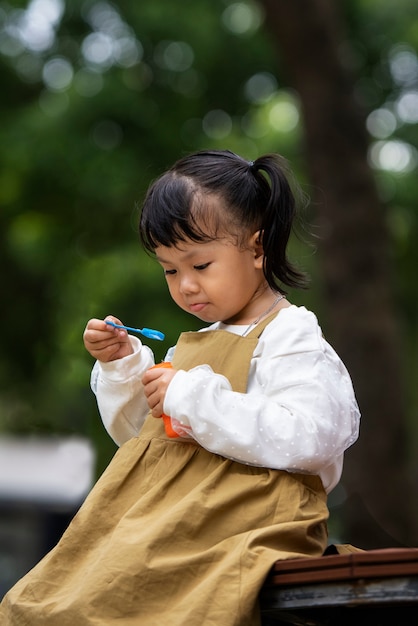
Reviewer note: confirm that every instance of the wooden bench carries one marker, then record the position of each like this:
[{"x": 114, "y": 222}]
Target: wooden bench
[{"x": 374, "y": 587}]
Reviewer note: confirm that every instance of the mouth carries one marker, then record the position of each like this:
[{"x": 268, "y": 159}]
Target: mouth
[{"x": 197, "y": 307}]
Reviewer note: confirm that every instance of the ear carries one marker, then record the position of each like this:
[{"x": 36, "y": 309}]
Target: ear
[{"x": 256, "y": 247}]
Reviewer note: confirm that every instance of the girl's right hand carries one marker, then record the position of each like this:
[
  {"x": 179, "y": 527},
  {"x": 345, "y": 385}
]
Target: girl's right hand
[{"x": 106, "y": 343}]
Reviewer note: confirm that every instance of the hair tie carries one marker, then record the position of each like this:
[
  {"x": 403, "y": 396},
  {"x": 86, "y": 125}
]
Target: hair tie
[{"x": 251, "y": 165}]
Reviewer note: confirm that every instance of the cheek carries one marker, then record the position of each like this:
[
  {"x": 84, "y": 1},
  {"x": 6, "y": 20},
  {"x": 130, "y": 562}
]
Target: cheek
[
  {"x": 175, "y": 294},
  {"x": 172, "y": 289}
]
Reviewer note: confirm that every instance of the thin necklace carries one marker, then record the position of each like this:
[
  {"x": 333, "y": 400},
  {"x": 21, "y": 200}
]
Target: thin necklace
[{"x": 266, "y": 312}]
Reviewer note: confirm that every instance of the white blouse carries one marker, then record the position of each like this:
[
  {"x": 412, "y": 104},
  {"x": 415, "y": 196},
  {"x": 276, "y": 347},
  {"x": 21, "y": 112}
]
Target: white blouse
[{"x": 299, "y": 413}]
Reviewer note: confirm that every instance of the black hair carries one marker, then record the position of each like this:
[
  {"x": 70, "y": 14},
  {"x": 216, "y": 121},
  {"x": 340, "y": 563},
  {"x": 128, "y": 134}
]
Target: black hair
[{"x": 253, "y": 196}]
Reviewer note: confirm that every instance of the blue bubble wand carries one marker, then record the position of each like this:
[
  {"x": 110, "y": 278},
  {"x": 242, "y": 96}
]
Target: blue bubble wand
[{"x": 147, "y": 332}]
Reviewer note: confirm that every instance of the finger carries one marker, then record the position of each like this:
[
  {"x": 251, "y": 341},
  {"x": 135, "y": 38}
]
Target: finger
[
  {"x": 152, "y": 395},
  {"x": 103, "y": 338},
  {"x": 112, "y": 318},
  {"x": 155, "y": 405},
  {"x": 156, "y": 411},
  {"x": 99, "y": 325},
  {"x": 98, "y": 331},
  {"x": 152, "y": 374}
]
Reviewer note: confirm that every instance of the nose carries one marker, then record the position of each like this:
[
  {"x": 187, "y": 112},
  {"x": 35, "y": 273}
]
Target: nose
[{"x": 188, "y": 285}]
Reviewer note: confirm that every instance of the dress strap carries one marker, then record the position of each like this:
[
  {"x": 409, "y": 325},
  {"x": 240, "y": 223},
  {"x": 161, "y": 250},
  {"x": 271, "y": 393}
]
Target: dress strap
[{"x": 258, "y": 330}]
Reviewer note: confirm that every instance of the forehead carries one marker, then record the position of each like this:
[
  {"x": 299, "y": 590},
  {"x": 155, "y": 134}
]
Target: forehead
[{"x": 189, "y": 250}]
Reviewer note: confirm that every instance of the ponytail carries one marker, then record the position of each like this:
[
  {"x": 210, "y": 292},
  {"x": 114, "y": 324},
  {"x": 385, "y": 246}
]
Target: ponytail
[{"x": 277, "y": 222}]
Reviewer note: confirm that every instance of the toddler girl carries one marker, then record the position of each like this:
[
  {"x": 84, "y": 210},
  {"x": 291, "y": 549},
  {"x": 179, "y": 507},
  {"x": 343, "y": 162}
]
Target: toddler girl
[{"x": 183, "y": 528}]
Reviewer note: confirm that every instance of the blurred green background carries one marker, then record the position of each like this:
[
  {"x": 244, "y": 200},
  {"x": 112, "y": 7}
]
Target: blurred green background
[{"x": 97, "y": 99}]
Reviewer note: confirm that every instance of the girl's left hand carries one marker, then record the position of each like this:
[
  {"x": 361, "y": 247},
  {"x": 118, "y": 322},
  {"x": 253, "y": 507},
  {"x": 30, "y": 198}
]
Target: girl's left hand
[{"x": 156, "y": 381}]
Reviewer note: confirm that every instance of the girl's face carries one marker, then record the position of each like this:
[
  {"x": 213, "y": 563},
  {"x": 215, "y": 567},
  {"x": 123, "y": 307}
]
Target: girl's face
[{"x": 216, "y": 280}]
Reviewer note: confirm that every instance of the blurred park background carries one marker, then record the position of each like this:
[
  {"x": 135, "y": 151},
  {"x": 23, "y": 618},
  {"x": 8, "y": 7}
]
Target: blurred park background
[{"x": 98, "y": 98}]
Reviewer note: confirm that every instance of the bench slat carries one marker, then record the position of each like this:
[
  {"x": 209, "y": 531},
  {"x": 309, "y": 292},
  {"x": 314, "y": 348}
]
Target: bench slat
[{"x": 374, "y": 587}]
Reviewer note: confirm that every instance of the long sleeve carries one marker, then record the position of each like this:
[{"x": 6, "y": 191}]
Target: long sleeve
[
  {"x": 119, "y": 392},
  {"x": 299, "y": 413}
]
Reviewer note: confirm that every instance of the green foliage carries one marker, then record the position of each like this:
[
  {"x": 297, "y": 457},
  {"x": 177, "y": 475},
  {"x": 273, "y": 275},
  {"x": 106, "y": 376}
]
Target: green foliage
[{"x": 89, "y": 119}]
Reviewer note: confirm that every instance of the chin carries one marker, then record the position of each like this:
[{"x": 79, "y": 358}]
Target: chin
[{"x": 205, "y": 318}]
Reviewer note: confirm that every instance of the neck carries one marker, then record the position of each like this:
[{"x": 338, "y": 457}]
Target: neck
[{"x": 264, "y": 314}]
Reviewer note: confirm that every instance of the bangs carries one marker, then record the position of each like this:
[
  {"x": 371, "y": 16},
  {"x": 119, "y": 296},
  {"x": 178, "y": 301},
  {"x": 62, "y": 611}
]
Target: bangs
[{"x": 175, "y": 211}]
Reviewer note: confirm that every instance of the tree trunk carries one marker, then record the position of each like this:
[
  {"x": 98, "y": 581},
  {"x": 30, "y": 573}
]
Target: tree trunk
[{"x": 354, "y": 253}]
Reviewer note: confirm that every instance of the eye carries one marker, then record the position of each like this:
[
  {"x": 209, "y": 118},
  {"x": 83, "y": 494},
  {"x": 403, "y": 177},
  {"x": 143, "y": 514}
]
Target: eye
[
  {"x": 169, "y": 272},
  {"x": 199, "y": 268}
]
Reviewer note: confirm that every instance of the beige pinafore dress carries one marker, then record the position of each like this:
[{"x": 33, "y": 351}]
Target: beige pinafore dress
[{"x": 173, "y": 534}]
